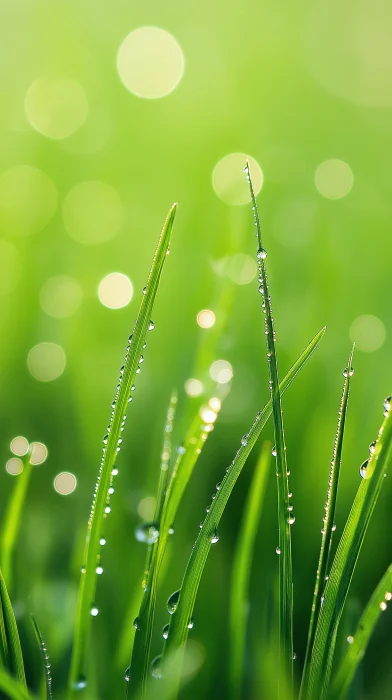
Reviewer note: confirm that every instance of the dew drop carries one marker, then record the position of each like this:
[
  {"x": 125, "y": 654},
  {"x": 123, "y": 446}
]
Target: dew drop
[
  {"x": 99, "y": 570},
  {"x": 80, "y": 683},
  {"x": 261, "y": 254},
  {"x": 127, "y": 674},
  {"x": 156, "y": 667},
  {"x": 291, "y": 519},
  {"x": 83, "y": 570},
  {"x": 171, "y": 530},
  {"x": 181, "y": 450},
  {"x": 147, "y": 532},
  {"x": 94, "y": 611},
  {"x": 383, "y": 605},
  {"x": 219, "y": 486},
  {"x": 273, "y": 451},
  {"x": 108, "y": 509},
  {"x": 244, "y": 440},
  {"x": 151, "y": 326},
  {"x": 372, "y": 447},
  {"x": 105, "y": 439},
  {"x": 102, "y": 541},
  {"x": 144, "y": 290},
  {"x": 350, "y": 639},
  {"x": 294, "y": 656},
  {"x": 348, "y": 372},
  {"x": 165, "y": 632},
  {"x": 278, "y": 550},
  {"x": 363, "y": 468},
  {"x": 215, "y": 537},
  {"x": 114, "y": 471},
  {"x": 191, "y": 623},
  {"x": 136, "y": 623},
  {"x": 173, "y": 602}
]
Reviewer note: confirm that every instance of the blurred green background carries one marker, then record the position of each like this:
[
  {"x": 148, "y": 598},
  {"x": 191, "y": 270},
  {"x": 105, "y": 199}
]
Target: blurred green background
[{"x": 102, "y": 126}]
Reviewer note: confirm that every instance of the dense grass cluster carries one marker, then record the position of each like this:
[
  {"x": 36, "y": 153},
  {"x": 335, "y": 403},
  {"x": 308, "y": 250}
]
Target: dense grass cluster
[{"x": 326, "y": 673}]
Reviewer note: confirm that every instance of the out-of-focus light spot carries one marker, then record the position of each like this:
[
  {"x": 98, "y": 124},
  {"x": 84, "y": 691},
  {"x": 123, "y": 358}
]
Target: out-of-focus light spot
[
  {"x": 60, "y": 296},
  {"x": 360, "y": 65},
  {"x": 194, "y": 658},
  {"x": 215, "y": 404},
  {"x": 28, "y": 200},
  {"x": 39, "y": 453},
  {"x": 221, "y": 371},
  {"x": 19, "y": 446},
  {"x": 150, "y": 62},
  {"x": 14, "y": 466},
  {"x": 115, "y": 290},
  {"x": 146, "y": 507},
  {"x": 241, "y": 268},
  {"x": 193, "y": 387},
  {"x": 92, "y": 212},
  {"x": 205, "y": 318},
  {"x": 229, "y": 181},
  {"x": 46, "y": 361},
  {"x": 208, "y": 415},
  {"x": 334, "y": 179},
  {"x": 9, "y": 267},
  {"x": 368, "y": 333},
  {"x": 64, "y": 483},
  {"x": 56, "y": 107}
]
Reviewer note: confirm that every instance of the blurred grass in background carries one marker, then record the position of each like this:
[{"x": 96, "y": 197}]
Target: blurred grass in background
[{"x": 108, "y": 115}]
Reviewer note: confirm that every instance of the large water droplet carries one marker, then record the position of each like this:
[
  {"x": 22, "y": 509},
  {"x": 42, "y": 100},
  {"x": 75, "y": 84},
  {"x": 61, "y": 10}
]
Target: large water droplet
[
  {"x": 151, "y": 326},
  {"x": 94, "y": 611},
  {"x": 363, "y": 469},
  {"x": 156, "y": 667},
  {"x": 80, "y": 683},
  {"x": 99, "y": 570},
  {"x": 102, "y": 541},
  {"x": 348, "y": 372},
  {"x": 244, "y": 440},
  {"x": 372, "y": 447},
  {"x": 173, "y": 602},
  {"x": 261, "y": 254},
  {"x": 147, "y": 532},
  {"x": 136, "y": 623},
  {"x": 350, "y": 639},
  {"x": 383, "y": 605},
  {"x": 278, "y": 550},
  {"x": 387, "y": 403},
  {"x": 291, "y": 519},
  {"x": 165, "y": 632},
  {"x": 215, "y": 537},
  {"x": 127, "y": 674}
]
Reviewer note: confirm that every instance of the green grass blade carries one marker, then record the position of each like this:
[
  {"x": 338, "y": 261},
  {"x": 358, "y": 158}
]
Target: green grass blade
[
  {"x": 12, "y": 689},
  {"x": 346, "y": 558},
  {"x": 357, "y": 644},
  {"x": 285, "y": 517},
  {"x": 145, "y": 619},
  {"x": 182, "y": 613},
  {"x": 12, "y": 519},
  {"x": 329, "y": 516},
  {"x": 11, "y": 635},
  {"x": 241, "y": 569},
  {"x": 110, "y": 450},
  {"x": 45, "y": 658}
]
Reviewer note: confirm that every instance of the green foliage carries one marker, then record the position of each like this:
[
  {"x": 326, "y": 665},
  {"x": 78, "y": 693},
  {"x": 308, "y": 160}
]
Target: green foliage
[
  {"x": 45, "y": 659},
  {"x": 11, "y": 652}
]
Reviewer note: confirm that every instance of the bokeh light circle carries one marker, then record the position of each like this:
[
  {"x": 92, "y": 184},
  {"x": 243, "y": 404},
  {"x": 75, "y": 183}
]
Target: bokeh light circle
[
  {"x": 146, "y": 507},
  {"x": 229, "y": 181},
  {"x": 368, "y": 333},
  {"x": 194, "y": 387},
  {"x": 241, "y": 268},
  {"x": 334, "y": 179},
  {"x": 205, "y": 318},
  {"x": 92, "y": 212},
  {"x": 28, "y": 200},
  {"x": 60, "y": 296},
  {"x": 14, "y": 466},
  {"x": 65, "y": 483},
  {"x": 150, "y": 62},
  {"x": 115, "y": 290},
  {"x": 39, "y": 453},
  {"x": 19, "y": 446},
  {"x": 221, "y": 371},
  {"x": 56, "y": 106},
  {"x": 46, "y": 361}
]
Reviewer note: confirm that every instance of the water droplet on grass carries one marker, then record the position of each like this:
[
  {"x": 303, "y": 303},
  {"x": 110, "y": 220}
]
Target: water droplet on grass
[
  {"x": 151, "y": 326},
  {"x": 273, "y": 451},
  {"x": 127, "y": 674},
  {"x": 215, "y": 537},
  {"x": 80, "y": 683},
  {"x": 348, "y": 372},
  {"x": 383, "y": 605},
  {"x": 350, "y": 639},
  {"x": 147, "y": 532},
  {"x": 99, "y": 570},
  {"x": 136, "y": 623},
  {"x": 372, "y": 447},
  {"x": 261, "y": 254},
  {"x": 173, "y": 602},
  {"x": 156, "y": 667},
  {"x": 94, "y": 611},
  {"x": 165, "y": 632},
  {"x": 244, "y": 440},
  {"x": 102, "y": 541},
  {"x": 191, "y": 623},
  {"x": 363, "y": 469},
  {"x": 278, "y": 550}
]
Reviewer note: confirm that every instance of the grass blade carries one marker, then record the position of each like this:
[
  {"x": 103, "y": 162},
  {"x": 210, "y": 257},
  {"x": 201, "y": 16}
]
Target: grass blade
[
  {"x": 285, "y": 517},
  {"x": 10, "y": 636},
  {"x": 143, "y": 324},
  {"x": 183, "y": 609},
  {"x": 145, "y": 619},
  {"x": 373, "y": 471},
  {"x": 13, "y": 517},
  {"x": 241, "y": 569},
  {"x": 12, "y": 689},
  {"x": 45, "y": 658},
  {"x": 358, "y": 642},
  {"x": 329, "y": 516}
]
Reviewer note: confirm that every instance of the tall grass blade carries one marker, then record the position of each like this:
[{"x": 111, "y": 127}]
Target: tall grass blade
[
  {"x": 241, "y": 570},
  {"x": 12, "y": 689},
  {"x": 45, "y": 658},
  {"x": 10, "y": 636},
  {"x": 144, "y": 622},
  {"x": 373, "y": 473},
  {"x": 357, "y": 643},
  {"x": 12, "y": 519},
  {"x": 184, "y": 599},
  {"x": 143, "y": 323},
  {"x": 285, "y": 517},
  {"x": 329, "y": 515}
]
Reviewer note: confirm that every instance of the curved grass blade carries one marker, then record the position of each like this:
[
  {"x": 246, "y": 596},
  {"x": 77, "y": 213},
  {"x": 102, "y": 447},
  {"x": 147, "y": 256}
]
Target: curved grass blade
[
  {"x": 110, "y": 450},
  {"x": 182, "y": 610},
  {"x": 241, "y": 569},
  {"x": 45, "y": 658},
  {"x": 12, "y": 689},
  {"x": 13, "y": 517},
  {"x": 329, "y": 515},
  {"x": 373, "y": 473},
  {"x": 285, "y": 519},
  {"x": 10, "y": 636},
  {"x": 357, "y": 644},
  {"x": 145, "y": 619}
]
